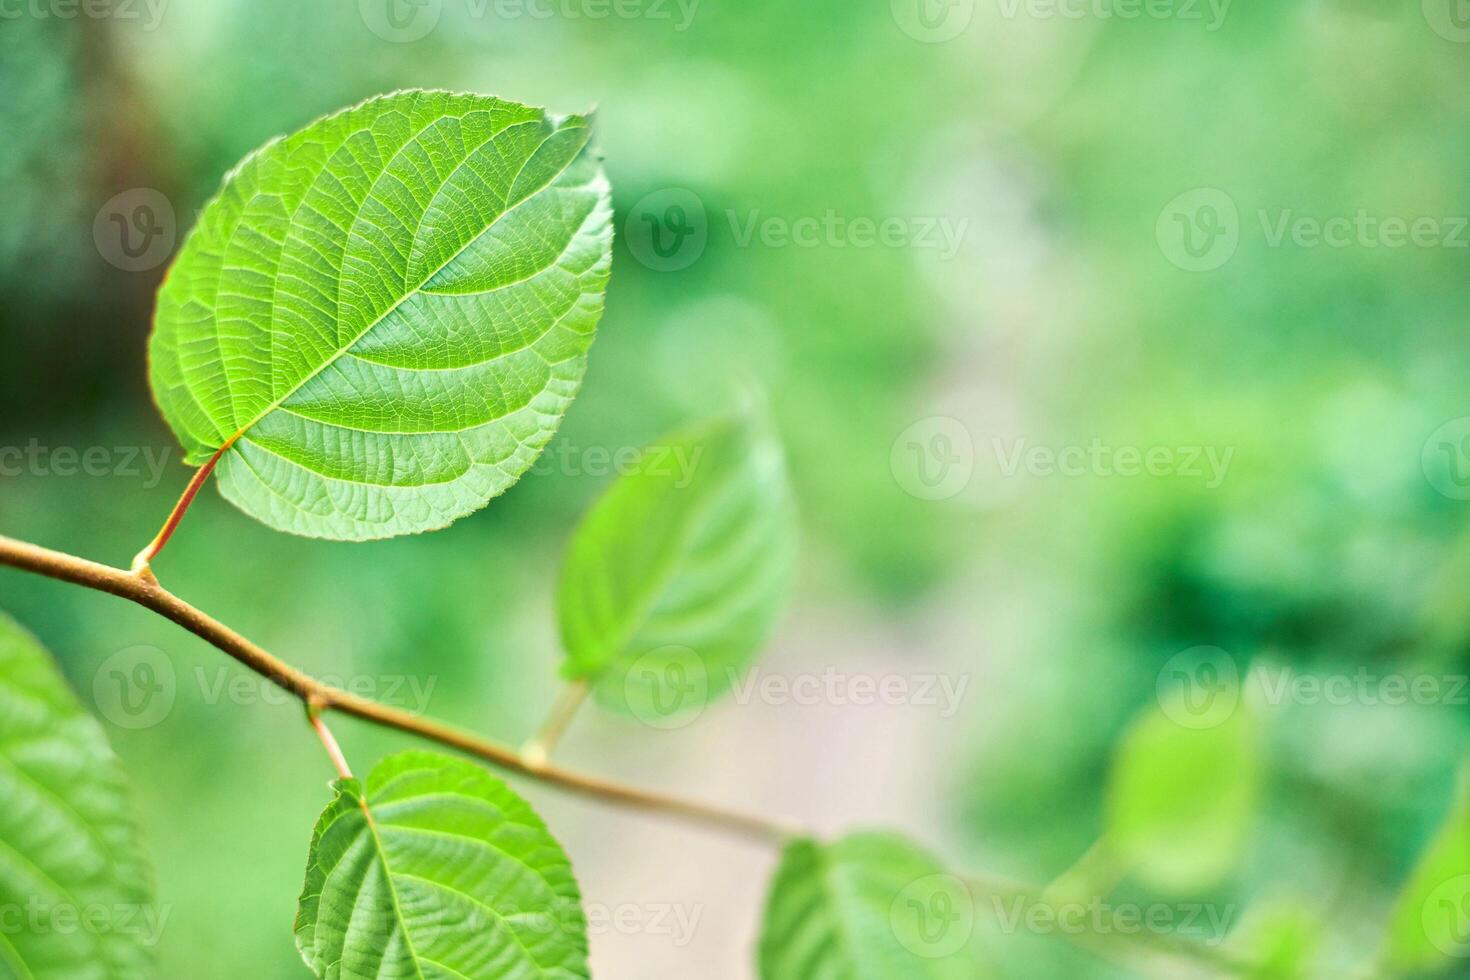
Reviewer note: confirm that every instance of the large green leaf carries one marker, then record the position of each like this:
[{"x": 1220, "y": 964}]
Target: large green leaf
[
  {"x": 385, "y": 314},
  {"x": 872, "y": 906},
  {"x": 75, "y": 898},
  {"x": 1430, "y": 928},
  {"x": 438, "y": 870},
  {"x": 1181, "y": 800},
  {"x": 677, "y": 574}
]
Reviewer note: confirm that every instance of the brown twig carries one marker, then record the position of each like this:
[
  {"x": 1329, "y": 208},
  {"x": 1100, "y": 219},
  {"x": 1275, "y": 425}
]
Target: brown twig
[{"x": 142, "y": 588}]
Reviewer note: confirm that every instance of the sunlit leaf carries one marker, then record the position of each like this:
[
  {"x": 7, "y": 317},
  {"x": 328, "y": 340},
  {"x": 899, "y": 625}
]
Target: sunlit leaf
[
  {"x": 677, "y": 574},
  {"x": 1430, "y": 928},
  {"x": 384, "y": 315},
  {"x": 1181, "y": 799},
  {"x": 75, "y": 898},
  {"x": 436, "y": 869},
  {"x": 872, "y": 906}
]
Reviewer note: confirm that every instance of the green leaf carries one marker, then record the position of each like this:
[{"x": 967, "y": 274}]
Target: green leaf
[
  {"x": 676, "y": 576},
  {"x": 437, "y": 870},
  {"x": 1430, "y": 928},
  {"x": 75, "y": 897},
  {"x": 872, "y": 906},
  {"x": 384, "y": 315},
  {"x": 1181, "y": 799}
]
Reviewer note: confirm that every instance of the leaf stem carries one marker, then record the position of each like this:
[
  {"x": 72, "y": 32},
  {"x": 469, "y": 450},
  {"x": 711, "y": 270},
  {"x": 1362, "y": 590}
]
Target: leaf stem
[
  {"x": 329, "y": 741},
  {"x": 145, "y": 591},
  {"x": 537, "y": 752},
  {"x": 145, "y": 557},
  {"x": 318, "y": 698}
]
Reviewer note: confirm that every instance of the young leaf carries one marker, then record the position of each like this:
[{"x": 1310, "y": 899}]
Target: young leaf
[
  {"x": 73, "y": 880},
  {"x": 1430, "y": 929},
  {"x": 436, "y": 870},
  {"x": 1181, "y": 799},
  {"x": 872, "y": 906},
  {"x": 379, "y": 320},
  {"x": 677, "y": 574}
]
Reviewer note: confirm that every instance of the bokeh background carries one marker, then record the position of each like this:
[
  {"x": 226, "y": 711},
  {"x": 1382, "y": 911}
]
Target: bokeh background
[{"x": 1097, "y": 234}]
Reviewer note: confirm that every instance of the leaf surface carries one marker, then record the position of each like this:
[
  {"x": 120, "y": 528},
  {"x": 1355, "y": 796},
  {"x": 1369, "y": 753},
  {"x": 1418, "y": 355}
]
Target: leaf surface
[
  {"x": 676, "y": 576},
  {"x": 1181, "y": 800},
  {"x": 1429, "y": 931},
  {"x": 381, "y": 319},
  {"x": 75, "y": 897},
  {"x": 437, "y": 870},
  {"x": 872, "y": 906}
]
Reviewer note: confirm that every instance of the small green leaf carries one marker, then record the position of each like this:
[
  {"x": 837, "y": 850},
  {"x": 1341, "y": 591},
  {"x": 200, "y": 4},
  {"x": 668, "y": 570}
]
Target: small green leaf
[
  {"x": 437, "y": 870},
  {"x": 75, "y": 898},
  {"x": 676, "y": 576},
  {"x": 1181, "y": 798},
  {"x": 872, "y": 906},
  {"x": 1430, "y": 928},
  {"x": 384, "y": 315}
]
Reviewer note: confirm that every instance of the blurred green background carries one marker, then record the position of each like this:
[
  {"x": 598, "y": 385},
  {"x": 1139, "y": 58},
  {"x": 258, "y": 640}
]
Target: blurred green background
[{"x": 1130, "y": 262}]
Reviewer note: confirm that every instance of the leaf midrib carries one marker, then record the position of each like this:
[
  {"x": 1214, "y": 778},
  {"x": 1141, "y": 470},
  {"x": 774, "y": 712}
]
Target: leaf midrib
[{"x": 329, "y": 361}]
